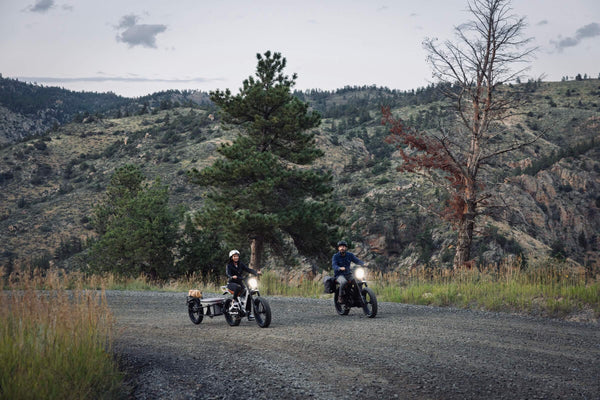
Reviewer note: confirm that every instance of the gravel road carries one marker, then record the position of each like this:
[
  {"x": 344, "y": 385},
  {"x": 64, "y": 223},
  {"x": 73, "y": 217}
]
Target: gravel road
[{"x": 406, "y": 352}]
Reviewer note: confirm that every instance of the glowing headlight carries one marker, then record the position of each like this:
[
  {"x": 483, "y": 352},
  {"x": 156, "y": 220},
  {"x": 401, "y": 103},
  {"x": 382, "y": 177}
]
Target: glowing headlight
[
  {"x": 253, "y": 283},
  {"x": 360, "y": 274}
]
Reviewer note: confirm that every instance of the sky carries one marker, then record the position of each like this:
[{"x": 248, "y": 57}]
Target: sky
[{"x": 138, "y": 47}]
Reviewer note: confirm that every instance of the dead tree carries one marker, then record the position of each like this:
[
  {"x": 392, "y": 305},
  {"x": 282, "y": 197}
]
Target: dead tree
[{"x": 473, "y": 72}]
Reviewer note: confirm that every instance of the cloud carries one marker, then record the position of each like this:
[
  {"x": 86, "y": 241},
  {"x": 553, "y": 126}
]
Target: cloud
[
  {"x": 590, "y": 30},
  {"x": 127, "y": 21},
  {"x": 542, "y": 22},
  {"x": 135, "y": 34},
  {"x": 41, "y": 6},
  {"x": 587, "y": 31}
]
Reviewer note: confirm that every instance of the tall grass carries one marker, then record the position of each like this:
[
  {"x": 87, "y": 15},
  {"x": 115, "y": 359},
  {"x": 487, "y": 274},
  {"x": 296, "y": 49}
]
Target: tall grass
[
  {"x": 54, "y": 343},
  {"x": 549, "y": 288}
]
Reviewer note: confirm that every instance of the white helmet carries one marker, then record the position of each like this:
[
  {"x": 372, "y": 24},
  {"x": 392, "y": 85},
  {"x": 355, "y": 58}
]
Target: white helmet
[{"x": 232, "y": 252}]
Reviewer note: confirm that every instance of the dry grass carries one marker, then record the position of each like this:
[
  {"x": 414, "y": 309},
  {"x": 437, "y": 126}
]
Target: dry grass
[{"x": 54, "y": 343}]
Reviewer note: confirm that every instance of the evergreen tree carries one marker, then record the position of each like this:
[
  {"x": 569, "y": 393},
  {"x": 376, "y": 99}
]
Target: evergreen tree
[
  {"x": 261, "y": 190},
  {"x": 136, "y": 227},
  {"x": 201, "y": 250}
]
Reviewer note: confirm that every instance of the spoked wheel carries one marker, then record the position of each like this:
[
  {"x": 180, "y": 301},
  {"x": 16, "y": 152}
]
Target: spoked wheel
[
  {"x": 340, "y": 308},
  {"x": 195, "y": 311},
  {"x": 262, "y": 312},
  {"x": 232, "y": 319},
  {"x": 370, "y": 306}
]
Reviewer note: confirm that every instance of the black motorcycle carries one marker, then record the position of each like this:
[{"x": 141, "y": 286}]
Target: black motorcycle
[
  {"x": 233, "y": 310},
  {"x": 355, "y": 294}
]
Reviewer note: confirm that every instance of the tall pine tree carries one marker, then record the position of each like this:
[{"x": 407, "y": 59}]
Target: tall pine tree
[{"x": 263, "y": 190}]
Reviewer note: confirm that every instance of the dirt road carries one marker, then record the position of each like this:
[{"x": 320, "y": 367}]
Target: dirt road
[{"x": 309, "y": 351}]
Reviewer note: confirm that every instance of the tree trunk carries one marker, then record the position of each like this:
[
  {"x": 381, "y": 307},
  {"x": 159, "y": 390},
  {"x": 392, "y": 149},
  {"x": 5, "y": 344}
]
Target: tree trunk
[
  {"x": 256, "y": 249},
  {"x": 465, "y": 237}
]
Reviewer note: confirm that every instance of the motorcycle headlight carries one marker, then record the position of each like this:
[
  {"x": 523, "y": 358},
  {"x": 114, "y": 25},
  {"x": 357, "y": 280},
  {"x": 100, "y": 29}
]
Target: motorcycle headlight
[
  {"x": 360, "y": 274},
  {"x": 253, "y": 283}
]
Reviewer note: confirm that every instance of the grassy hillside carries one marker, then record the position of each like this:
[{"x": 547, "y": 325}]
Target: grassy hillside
[{"x": 551, "y": 189}]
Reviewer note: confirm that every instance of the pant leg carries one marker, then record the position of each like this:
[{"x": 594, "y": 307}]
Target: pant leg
[
  {"x": 236, "y": 288},
  {"x": 341, "y": 279}
]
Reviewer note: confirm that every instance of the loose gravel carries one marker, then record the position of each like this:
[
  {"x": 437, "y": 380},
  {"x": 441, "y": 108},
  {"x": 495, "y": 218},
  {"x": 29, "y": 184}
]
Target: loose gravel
[{"x": 310, "y": 352}]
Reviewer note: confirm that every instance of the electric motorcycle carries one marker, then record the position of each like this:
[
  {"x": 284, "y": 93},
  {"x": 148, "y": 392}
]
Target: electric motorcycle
[
  {"x": 355, "y": 294},
  {"x": 234, "y": 311}
]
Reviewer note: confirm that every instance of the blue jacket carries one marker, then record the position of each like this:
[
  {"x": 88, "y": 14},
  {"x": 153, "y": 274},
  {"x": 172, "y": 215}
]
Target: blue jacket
[{"x": 344, "y": 261}]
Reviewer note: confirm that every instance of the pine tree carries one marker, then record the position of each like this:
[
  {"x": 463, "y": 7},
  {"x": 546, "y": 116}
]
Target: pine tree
[
  {"x": 262, "y": 189},
  {"x": 137, "y": 230}
]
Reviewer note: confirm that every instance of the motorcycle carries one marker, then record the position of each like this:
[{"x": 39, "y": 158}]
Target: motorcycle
[
  {"x": 233, "y": 310},
  {"x": 355, "y": 294}
]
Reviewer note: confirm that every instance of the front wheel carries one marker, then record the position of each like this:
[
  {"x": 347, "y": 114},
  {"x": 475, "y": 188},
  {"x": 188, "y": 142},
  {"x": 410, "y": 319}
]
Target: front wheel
[
  {"x": 195, "y": 311},
  {"x": 340, "y": 308},
  {"x": 262, "y": 312},
  {"x": 370, "y": 303},
  {"x": 232, "y": 319}
]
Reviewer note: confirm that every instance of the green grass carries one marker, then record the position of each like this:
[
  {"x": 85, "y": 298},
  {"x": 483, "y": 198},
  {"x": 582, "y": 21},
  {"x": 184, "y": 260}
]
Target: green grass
[
  {"x": 56, "y": 344},
  {"x": 552, "y": 289}
]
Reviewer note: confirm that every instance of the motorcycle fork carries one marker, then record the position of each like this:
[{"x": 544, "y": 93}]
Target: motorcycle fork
[
  {"x": 359, "y": 287},
  {"x": 245, "y": 301}
]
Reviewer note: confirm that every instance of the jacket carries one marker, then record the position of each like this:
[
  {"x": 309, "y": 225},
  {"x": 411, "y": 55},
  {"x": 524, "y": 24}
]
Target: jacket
[
  {"x": 238, "y": 271},
  {"x": 340, "y": 260}
]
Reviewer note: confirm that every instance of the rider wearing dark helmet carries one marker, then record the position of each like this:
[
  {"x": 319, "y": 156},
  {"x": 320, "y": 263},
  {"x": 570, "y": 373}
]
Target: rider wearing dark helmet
[{"x": 341, "y": 265}]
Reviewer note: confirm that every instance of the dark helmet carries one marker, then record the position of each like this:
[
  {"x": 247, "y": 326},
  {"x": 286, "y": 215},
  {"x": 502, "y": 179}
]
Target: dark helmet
[{"x": 342, "y": 243}]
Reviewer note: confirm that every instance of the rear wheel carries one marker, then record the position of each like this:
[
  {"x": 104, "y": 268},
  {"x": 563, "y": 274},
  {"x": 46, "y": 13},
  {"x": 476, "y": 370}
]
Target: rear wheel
[
  {"x": 370, "y": 306},
  {"x": 262, "y": 312},
  {"x": 340, "y": 308},
  {"x": 195, "y": 311},
  {"x": 231, "y": 318}
]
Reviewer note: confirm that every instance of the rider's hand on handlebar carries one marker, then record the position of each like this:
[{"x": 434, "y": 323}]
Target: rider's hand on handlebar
[
  {"x": 234, "y": 277},
  {"x": 342, "y": 268}
]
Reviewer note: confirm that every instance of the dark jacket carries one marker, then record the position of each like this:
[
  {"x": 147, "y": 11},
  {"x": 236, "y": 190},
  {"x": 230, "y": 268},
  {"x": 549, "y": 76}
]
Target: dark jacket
[
  {"x": 238, "y": 270},
  {"x": 344, "y": 261}
]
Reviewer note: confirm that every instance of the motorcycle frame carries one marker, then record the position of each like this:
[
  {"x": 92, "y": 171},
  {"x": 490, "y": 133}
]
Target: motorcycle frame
[
  {"x": 359, "y": 284},
  {"x": 245, "y": 296}
]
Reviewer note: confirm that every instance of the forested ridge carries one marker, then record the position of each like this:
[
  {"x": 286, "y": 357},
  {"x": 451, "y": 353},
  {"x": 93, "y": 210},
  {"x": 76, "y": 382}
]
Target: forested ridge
[{"x": 51, "y": 181}]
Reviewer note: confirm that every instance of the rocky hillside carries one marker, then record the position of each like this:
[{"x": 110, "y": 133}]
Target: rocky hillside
[{"x": 551, "y": 190}]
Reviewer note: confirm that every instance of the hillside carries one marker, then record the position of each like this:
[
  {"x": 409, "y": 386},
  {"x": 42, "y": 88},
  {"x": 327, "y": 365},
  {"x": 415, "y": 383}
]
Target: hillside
[
  {"x": 551, "y": 190},
  {"x": 31, "y": 110}
]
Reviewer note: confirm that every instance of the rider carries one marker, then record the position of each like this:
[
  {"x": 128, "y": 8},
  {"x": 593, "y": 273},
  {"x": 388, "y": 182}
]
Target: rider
[
  {"x": 235, "y": 269},
  {"x": 341, "y": 265}
]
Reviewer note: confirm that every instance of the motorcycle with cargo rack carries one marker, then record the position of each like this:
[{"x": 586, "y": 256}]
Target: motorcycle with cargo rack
[{"x": 250, "y": 304}]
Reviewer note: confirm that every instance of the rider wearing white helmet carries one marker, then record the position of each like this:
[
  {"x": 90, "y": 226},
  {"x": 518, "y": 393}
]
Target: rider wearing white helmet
[{"x": 235, "y": 270}]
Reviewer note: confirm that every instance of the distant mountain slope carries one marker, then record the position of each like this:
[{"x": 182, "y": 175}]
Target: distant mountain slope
[
  {"x": 31, "y": 110},
  {"x": 49, "y": 184}
]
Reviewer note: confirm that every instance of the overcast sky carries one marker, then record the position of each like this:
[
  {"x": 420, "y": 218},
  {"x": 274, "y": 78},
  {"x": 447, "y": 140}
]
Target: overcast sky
[{"x": 137, "y": 47}]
